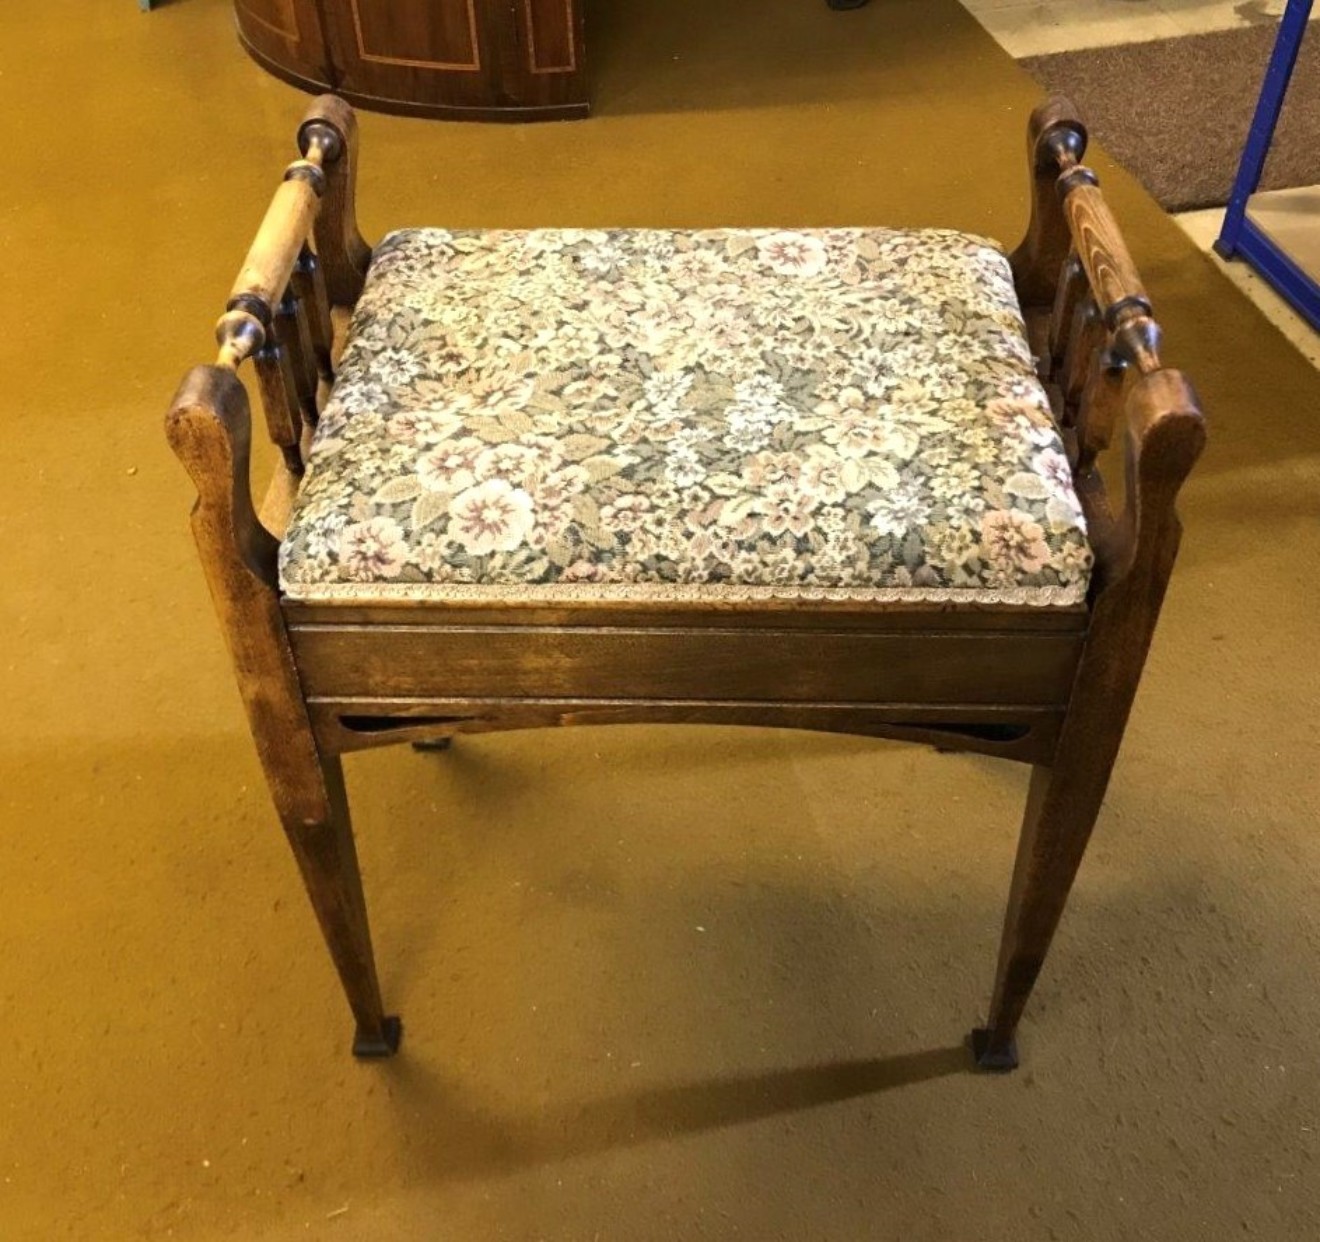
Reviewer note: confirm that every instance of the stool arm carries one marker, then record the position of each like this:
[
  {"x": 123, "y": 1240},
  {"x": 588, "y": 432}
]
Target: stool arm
[
  {"x": 1165, "y": 437},
  {"x": 330, "y": 127},
  {"x": 279, "y": 308},
  {"x": 209, "y": 427}
]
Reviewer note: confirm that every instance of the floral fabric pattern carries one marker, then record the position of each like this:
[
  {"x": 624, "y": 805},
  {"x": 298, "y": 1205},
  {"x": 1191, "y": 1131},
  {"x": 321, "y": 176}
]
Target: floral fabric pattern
[{"x": 656, "y": 413}]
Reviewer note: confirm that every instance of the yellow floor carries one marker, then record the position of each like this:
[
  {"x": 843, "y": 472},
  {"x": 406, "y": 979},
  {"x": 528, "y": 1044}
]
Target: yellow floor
[{"x": 658, "y": 984}]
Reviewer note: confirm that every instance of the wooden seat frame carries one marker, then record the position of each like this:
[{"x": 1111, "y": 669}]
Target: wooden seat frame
[{"x": 1050, "y": 687}]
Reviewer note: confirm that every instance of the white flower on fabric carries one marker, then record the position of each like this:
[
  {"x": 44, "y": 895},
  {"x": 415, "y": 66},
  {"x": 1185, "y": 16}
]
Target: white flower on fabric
[
  {"x": 759, "y": 392},
  {"x": 665, "y": 389},
  {"x": 550, "y": 241},
  {"x": 792, "y": 254},
  {"x": 1038, "y": 432},
  {"x": 491, "y": 517},
  {"x": 683, "y": 467},
  {"x": 900, "y": 510},
  {"x": 421, "y": 427},
  {"x": 372, "y": 550},
  {"x": 1052, "y": 466},
  {"x": 749, "y": 430},
  {"x": 396, "y": 368},
  {"x": 601, "y": 259}
]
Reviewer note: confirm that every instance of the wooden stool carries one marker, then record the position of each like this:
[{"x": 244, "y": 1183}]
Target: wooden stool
[{"x": 835, "y": 479}]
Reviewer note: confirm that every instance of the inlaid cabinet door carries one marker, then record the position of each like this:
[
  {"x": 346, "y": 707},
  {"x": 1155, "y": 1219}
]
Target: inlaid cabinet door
[
  {"x": 286, "y": 33},
  {"x": 478, "y": 54},
  {"x": 543, "y": 51}
]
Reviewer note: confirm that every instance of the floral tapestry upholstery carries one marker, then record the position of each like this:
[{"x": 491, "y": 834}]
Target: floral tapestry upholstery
[{"x": 723, "y": 413}]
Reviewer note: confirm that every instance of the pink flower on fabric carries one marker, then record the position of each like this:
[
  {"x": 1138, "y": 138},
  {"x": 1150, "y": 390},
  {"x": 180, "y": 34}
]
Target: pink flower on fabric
[
  {"x": 491, "y": 517},
  {"x": 583, "y": 571},
  {"x": 792, "y": 254},
  {"x": 1012, "y": 541},
  {"x": 371, "y": 550},
  {"x": 630, "y": 513}
]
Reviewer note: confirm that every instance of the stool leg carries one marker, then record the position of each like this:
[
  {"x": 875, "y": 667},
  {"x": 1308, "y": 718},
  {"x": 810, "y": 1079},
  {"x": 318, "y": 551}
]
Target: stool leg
[
  {"x": 327, "y": 858},
  {"x": 1062, "y": 805},
  {"x": 209, "y": 426}
]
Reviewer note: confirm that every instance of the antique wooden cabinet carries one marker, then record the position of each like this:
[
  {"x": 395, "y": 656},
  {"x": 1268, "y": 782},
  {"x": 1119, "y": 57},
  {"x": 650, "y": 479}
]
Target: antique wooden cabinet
[{"x": 475, "y": 59}]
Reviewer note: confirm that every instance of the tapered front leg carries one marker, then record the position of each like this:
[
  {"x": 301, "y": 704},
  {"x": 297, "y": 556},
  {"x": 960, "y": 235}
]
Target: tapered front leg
[
  {"x": 327, "y": 857},
  {"x": 1062, "y": 805}
]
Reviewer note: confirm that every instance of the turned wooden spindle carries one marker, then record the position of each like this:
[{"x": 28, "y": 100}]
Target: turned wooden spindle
[
  {"x": 308, "y": 284},
  {"x": 328, "y": 134},
  {"x": 278, "y": 312},
  {"x": 1086, "y": 337},
  {"x": 1070, "y": 218},
  {"x": 239, "y": 334},
  {"x": 1039, "y": 260},
  {"x": 280, "y": 401},
  {"x": 1072, "y": 288},
  {"x": 1098, "y": 409},
  {"x": 265, "y": 273},
  {"x": 294, "y": 332},
  {"x": 264, "y": 319}
]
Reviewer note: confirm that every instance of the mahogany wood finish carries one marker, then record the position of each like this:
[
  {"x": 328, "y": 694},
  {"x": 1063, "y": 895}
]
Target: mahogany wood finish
[
  {"x": 483, "y": 60},
  {"x": 518, "y": 60},
  {"x": 1050, "y": 688}
]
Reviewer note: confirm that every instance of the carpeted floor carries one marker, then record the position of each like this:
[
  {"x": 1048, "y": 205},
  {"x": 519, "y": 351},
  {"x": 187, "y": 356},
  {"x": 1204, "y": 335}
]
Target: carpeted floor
[
  {"x": 658, "y": 984},
  {"x": 1175, "y": 112}
]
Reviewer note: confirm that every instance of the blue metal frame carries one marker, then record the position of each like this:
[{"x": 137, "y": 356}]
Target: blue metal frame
[{"x": 1239, "y": 236}]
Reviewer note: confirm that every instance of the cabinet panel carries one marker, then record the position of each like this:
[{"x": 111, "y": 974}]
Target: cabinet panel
[
  {"x": 551, "y": 39},
  {"x": 420, "y": 34},
  {"x": 542, "y": 53},
  {"x": 286, "y": 35},
  {"x": 276, "y": 16},
  {"x": 425, "y": 53},
  {"x": 484, "y": 59}
]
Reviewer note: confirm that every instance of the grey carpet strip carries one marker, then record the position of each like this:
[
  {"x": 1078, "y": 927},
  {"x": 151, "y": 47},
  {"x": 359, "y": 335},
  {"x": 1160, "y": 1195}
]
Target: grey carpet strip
[{"x": 1175, "y": 112}]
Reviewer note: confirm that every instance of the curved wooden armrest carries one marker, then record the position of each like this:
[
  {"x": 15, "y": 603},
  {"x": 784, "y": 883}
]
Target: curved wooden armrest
[
  {"x": 1165, "y": 437},
  {"x": 209, "y": 427}
]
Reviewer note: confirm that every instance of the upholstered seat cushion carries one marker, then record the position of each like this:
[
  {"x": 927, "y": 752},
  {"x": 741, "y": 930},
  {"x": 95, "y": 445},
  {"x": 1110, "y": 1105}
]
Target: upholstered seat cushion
[{"x": 841, "y": 413}]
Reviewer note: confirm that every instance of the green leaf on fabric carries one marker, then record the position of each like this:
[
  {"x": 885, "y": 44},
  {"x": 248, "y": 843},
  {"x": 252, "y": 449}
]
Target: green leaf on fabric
[
  {"x": 429, "y": 506},
  {"x": 398, "y": 491}
]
